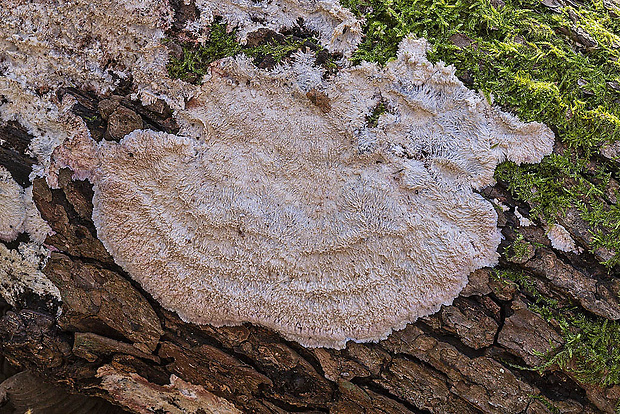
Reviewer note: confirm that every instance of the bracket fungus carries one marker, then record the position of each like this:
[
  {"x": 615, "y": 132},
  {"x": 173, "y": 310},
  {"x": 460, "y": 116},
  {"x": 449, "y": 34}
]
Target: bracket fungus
[{"x": 268, "y": 208}]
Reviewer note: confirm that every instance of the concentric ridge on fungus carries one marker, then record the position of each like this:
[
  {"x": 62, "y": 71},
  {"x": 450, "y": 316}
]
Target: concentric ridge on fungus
[{"x": 274, "y": 210}]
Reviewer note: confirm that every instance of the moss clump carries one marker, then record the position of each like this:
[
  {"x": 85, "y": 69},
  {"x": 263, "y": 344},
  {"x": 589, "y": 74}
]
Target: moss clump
[
  {"x": 591, "y": 352},
  {"x": 277, "y": 51},
  {"x": 372, "y": 120},
  {"x": 553, "y": 66},
  {"x": 195, "y": 61},
  {"x": 519, "y": 250},
  {"x": 548, "y": 404}
]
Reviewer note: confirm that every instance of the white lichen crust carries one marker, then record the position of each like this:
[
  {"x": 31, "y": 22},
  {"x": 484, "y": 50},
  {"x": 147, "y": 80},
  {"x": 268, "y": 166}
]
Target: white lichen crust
[
  {"x": 18, "y": 213},
  {"x": 337, "y": 27},
  {"x": 20, "y": 272},
  {"x": 294, "y": 213}
]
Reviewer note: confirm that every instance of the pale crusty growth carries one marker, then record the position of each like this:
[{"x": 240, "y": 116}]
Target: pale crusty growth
[
  {"x": 12, "y": 208},
  {"x": 20, "y": 272},
  {"x": 17, "y": 211},
  {"x": 289, "y": 211},
  {"x": 337, "y": 27},
  {"x": 34, "y": 225},
  {"x": 93, "y": 45},
  {"x": 523, "y": 221},
  {"x": 561, "y": 239},
  {"x": 82, "y": 43}
]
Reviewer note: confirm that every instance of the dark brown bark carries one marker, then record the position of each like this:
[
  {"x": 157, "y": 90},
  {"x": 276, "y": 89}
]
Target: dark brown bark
[{"x": 464, "y": 359}]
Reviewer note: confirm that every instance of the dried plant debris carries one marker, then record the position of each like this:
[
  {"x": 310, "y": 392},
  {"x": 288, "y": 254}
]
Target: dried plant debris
[{"x": 273, "y": 209}]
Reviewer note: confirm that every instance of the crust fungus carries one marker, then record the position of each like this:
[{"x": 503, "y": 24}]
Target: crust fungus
[
  {"x": 45, "y": 46},
  {"x": 12, "y": 208},
  {"x": 271, "y": 209},
  {"x": 17, "y": 211},
  {"x": 20, "y": 272},
  {"x": 561, "y": 239},
  {"x": 338, "y": 29},
  {"x": 278, "y": 203}
]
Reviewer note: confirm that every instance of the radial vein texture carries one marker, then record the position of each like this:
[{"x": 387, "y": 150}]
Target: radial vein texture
[
  {"x": 278, "y": 203},
  {"x": 271, "y": 209}
]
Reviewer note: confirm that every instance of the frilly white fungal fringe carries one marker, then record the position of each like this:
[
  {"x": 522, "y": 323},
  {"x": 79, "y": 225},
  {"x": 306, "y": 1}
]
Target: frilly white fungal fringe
[
  {"x": 18, "y": 213},
  {"x": 272, "y": 210},
  {"x": 277, "y": 203}
]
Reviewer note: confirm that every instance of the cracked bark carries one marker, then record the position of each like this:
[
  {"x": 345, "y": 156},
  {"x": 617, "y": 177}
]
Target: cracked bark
[{"x": 112, "y": 341}]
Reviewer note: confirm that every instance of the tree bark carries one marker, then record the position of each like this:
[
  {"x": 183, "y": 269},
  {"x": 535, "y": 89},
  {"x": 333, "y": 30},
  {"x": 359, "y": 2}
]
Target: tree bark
[{"x": 110, "y": 339}]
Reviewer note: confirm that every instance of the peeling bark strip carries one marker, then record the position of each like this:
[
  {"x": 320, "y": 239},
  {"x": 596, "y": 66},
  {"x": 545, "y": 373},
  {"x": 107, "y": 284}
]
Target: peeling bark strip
[{"x": 111, "y": 339}]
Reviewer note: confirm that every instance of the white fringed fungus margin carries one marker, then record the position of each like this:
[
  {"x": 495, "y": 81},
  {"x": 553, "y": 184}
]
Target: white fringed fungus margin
[{"x": 273, "y": 210}]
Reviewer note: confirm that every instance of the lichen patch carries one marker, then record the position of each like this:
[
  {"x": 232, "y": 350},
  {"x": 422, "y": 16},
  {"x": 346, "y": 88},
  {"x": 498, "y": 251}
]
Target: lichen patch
[
  {"x": 18, "y": 213},
  {"x": 20, "y": 273}
]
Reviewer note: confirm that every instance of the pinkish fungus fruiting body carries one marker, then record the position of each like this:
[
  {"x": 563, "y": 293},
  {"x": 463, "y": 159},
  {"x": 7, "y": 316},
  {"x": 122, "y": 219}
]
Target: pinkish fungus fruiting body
[
  {"x": 269, "y": 209},
  {"x": 277, "y": 203}
]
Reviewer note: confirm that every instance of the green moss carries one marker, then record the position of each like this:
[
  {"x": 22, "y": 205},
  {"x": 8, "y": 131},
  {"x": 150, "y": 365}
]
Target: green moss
[
  {"x": 591, "y": 352},
  {"x": 275, "y": 50},
  {"x": 195, "y": 61},
  {"x": 548, "y": 404},
  {"x": 527, "y": 57},
  {"x": 540, "y": 304},
  {"x": 519, "y": 249},
  {"x": 372, "y": 120}
]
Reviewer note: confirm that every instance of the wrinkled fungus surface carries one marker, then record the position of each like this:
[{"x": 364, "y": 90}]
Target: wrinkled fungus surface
[
  {"x": 20, "y": 272},
  {"x": 279, "y": 202},
  {"x": 12, "y": 208},
  {"x": 274, "y": 210},
  {"x": 337, "y": 27}
]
